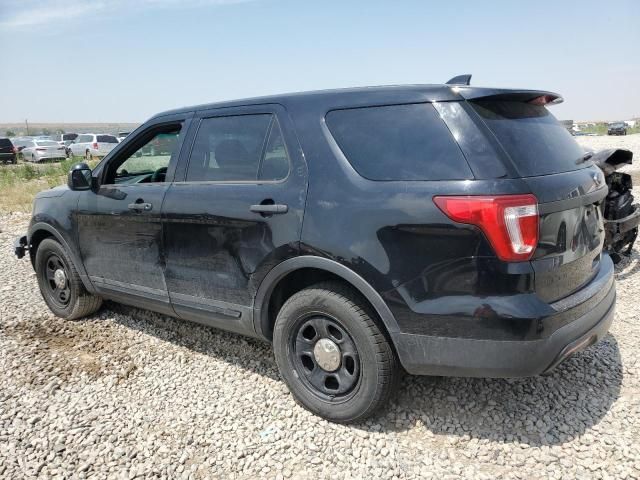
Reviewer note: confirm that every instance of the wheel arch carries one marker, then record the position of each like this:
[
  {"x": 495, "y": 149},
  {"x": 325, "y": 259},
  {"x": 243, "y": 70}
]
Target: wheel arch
[{"x": 322, "y": 268}]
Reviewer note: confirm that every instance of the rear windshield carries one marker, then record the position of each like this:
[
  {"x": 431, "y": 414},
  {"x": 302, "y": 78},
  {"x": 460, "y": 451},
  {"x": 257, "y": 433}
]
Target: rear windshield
[
  {"x": 46, "y": 143},
  {"x": 536, "y": 142},
  {"x": 107, "y": 139},
  {"x": 5, "y": 142},
  {"x": 398, "y": 142},
  {"x": 69, "y": 136}
]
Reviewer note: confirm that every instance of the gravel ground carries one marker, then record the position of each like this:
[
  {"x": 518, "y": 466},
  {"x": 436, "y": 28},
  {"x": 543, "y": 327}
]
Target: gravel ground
[{"x": 127, "y": 393}]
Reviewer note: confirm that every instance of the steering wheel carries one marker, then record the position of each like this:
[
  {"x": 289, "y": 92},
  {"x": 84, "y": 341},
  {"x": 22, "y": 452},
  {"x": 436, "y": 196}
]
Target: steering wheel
[{"x": 159, "y": 175}]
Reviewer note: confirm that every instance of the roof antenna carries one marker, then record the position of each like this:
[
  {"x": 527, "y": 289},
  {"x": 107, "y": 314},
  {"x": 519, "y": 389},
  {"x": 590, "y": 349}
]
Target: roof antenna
[{"x": 460, "y": 80}]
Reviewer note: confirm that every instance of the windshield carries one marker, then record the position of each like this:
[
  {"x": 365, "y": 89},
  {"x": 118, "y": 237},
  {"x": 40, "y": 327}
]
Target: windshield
[
  {"x": 536, "y": 142},
  {"x": 617, "y": 125}
]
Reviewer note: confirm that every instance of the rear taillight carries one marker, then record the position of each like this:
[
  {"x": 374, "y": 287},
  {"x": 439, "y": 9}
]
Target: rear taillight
[
  {"x": 15, "y": 150},
  {"x": 94, "y": 145},
  {"x": 510, "y": 222}
]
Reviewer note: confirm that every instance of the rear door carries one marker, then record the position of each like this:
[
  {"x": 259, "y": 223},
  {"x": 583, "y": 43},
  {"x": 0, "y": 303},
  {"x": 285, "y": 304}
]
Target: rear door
[
  {"x": 568, "y": 188},
  {"x": 233, "y": 213}
]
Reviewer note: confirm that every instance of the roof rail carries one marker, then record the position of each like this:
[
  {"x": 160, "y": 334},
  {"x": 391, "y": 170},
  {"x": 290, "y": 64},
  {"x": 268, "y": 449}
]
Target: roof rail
[{"x": 460, "y": 80}]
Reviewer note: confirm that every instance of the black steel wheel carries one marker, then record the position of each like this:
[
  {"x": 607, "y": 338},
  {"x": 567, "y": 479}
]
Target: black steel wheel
[
  {"x": 334, "y": 353},
  {"x": 325, "y": 356},
  {"x": 60, "y": 284},
  {"x": 57, "y": 275}
]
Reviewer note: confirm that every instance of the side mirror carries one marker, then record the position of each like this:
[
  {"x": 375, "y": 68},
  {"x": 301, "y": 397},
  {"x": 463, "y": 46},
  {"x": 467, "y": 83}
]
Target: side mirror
[{"x": 79, "y": 177}]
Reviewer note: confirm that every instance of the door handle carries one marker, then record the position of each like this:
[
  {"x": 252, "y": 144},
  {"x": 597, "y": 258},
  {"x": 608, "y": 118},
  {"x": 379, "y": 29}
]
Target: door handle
[
  {"x": 269, "y": 209},
  {"x": 140, "y": 206}
]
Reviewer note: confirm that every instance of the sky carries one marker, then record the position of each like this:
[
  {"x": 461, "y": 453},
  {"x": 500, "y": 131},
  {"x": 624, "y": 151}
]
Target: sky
[{"x": 123, "y": 61}]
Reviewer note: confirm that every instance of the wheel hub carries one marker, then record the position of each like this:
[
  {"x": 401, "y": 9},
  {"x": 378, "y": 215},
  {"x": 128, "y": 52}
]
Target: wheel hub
[
  {"x": 60, "y": 278},
  {"x": 327, "y": 354}
]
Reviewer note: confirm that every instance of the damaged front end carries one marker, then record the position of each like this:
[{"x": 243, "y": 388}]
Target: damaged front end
[{"x": 621, "y": 215}]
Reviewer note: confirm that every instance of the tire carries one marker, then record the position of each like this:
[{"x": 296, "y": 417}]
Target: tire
[
  {"x": 366, "y": 373},
  {"x": 70, "y": 301}
]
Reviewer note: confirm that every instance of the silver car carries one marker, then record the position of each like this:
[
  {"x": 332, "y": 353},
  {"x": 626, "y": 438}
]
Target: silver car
[
  {"x": 36, "y": 150},
  {"x": 92, "y": 145}
]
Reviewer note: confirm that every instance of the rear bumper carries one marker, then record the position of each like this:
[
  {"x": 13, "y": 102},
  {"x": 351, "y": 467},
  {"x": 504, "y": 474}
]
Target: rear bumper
[{"x": 465, "y": 357}]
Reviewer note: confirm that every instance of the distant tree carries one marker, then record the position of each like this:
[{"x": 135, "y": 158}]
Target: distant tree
[
  {"x": 10, "y": 133},
  {"x": 46, "y": 131},
  {"x": 60, "y": 131}
]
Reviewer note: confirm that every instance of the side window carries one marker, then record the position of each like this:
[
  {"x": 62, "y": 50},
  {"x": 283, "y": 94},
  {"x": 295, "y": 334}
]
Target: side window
[
  {"x": 398, "y": 142},
  {"x": 238, "y": 148},
  {"x": 275, "y": 163},
  {"x": 149, "y": 161}
]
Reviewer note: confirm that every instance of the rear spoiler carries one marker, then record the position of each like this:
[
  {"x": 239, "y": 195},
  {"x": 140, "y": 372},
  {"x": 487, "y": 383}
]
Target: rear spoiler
[
  {"x": 535, "y": 97},
  {"x": 462, "y": 85}
]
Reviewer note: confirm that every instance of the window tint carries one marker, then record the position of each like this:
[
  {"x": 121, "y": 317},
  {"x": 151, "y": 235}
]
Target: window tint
[
  {"x": 229, "y": 148},
  {"x": 275, "y": 163},
  {"x": 398, "y": 142},
  {"x": 149, "y": 163},
  {"x": 84, "y": 138},
  {"x": 536, "y": 142},
  {"x": 5, "y": 142},
  {"x": 107, "y": 139}
]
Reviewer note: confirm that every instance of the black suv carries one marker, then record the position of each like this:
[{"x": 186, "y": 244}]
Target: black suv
[
  {"x": 8, "y": 153},
  {"x": 617, "y": 128},
  {"x": 442, "y": 229}
]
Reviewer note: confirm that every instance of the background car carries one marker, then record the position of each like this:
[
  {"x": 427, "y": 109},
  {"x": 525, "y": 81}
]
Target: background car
[
  {"x": 20, "y": 143},
  {"x": 617, "y": 128},
  {"x": 122, "y": 135},
  {"x": 91, "y": 145},
  {"x": 65, "y": 139},
  {"x": 8, "y": 153},
  {"x": 38, "y": 150}
]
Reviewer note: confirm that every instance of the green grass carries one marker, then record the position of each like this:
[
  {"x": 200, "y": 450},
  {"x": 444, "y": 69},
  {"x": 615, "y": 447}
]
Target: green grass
[{"x": 19, "y": 183}]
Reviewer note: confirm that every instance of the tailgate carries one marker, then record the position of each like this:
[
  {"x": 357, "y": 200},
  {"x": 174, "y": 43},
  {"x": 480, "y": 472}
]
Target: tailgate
[
  {"x": 571, "y": 231},
  {"x": 569, "y": 190}
]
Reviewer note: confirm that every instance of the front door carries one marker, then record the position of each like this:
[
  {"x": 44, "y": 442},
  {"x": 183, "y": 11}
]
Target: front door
[
  {"x": 119, "y": 222},
  {"x": 236, "y": 213}
]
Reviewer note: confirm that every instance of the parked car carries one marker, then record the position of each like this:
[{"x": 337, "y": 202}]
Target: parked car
[
  {"x": 20, "y": 143},
  {"x": 122, "y": 135},
  {"x": 617, "y": 128},
  {"x": 91, "y": 145},
  {"x": 440, "y": 235},
  {"x": 66, "y": 139},
  {"x": 8, "y": 153},
  {"x": 37, "y": 150}
]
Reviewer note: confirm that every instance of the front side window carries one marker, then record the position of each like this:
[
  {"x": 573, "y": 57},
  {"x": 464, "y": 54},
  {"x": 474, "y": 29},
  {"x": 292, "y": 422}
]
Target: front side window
[
  {"x": 398, "y": 142},
  {"x": 150, "y": 161},
  {"x": 238, "y": 148}
]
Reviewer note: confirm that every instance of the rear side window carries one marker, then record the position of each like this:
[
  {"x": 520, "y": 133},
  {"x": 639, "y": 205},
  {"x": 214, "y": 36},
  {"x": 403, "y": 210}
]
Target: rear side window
[
  {"x": 398, "y": 142},
  {"x": 107, "y": 139},
  {"x": 536, "y": 142},
  {"x": 238, "y": 148},
  {"x": 85, "y": 138}
]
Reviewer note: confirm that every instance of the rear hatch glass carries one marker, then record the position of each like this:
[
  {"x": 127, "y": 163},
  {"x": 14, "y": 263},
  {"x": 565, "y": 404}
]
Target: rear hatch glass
[
  {"x": 536, "y": 142},
  {"x": 6, "y": 145}
]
